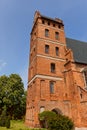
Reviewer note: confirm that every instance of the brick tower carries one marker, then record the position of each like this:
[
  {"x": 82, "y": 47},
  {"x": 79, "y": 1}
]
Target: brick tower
[
  {"x": 57, "y": 75},
  {"x": 46, "y": 66}
]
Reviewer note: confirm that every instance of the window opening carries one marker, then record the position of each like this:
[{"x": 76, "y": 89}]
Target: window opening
[
  {"x": 53, "y": 25},
  {"x": 85, "y": 77},
  {"x": 46, "y": 33},
  {"x": 56, "y": 35},
  {"x": 57, "y": 51},
  {"x": 52, "y": 67},
  {"x": 51, "y": 87},
  {"x": 43, "y": 22},
  {"x": 42, "y": 108},
  {"x": 81, "y": 95},
  {"x": 34, "y": 49},
  {"x": 48, "y": 23},
  {"x": 47, "y": 49},
  {"x": 59, "y": 26}
]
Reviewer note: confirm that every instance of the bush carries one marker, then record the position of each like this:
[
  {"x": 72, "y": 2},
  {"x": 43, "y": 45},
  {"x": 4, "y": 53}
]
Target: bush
[
  {"x": 53, "y": 121},
  {"x": 61, "y": 122},
  {"x": 45, "y": 116}
]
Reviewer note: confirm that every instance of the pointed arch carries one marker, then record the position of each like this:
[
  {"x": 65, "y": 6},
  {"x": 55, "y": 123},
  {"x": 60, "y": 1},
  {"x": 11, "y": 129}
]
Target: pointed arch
[{"x": 57, "y": 111}]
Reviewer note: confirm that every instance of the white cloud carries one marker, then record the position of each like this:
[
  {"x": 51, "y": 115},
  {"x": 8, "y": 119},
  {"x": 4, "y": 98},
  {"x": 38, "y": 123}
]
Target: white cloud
[{"x": 2, "y": 64}]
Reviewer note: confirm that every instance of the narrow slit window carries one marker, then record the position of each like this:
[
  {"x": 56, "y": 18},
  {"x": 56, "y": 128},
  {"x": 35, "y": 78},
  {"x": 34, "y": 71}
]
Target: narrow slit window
[
  {"x": 49, "y": 23},
  {"x": 47, "y": 49},
  {"x": 85, "y": 77},
  {"x": 51, "y": 87},
  {"x": 43, "y": 22},
  {"x": 46, "y": 33},
  {"x": 56, "y": 35},
  {"x": 57, "y": 51},
  {"x": 59, "y": 26},
  {"x": 53, "y": 25},
  {"x": 52, "y": 67}
]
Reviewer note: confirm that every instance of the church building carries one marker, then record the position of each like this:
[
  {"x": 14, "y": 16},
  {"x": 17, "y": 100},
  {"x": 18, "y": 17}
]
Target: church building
[{"x": 57, "y": 73}]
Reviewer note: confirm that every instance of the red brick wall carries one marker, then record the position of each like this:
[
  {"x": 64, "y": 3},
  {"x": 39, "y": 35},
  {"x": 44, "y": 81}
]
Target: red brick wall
[{"x": 68, "y": 79}]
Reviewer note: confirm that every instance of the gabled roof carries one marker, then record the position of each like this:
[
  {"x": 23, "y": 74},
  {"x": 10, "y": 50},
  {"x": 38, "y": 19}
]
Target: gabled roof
[{"x": 79, "y": 49}]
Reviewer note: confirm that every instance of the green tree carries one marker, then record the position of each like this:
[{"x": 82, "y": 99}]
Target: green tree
[
  {"x": 3, "y": 117},
  {"x": 7, "y": 122},
  {"x": 3, "y": 87},
  {"x": 19, "y": 112},
  {"x": 12, "y": 95}
]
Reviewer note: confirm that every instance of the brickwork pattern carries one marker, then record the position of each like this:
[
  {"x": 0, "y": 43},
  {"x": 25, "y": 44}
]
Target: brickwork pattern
[{"x": 69, "y": 96}]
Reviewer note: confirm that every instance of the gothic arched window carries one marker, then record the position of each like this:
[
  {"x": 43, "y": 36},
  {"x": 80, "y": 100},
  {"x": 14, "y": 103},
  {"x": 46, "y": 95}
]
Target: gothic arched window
[
  {"x": 84, "y": 72},
  {"x": 51, "y": 87}
]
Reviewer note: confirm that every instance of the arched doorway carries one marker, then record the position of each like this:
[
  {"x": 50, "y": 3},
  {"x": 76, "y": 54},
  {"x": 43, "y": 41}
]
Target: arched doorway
[{"x": 57, "y": 111}]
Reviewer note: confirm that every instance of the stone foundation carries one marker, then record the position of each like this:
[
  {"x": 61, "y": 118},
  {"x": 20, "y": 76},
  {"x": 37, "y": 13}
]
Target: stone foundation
[{"x": 83, "y": 128}]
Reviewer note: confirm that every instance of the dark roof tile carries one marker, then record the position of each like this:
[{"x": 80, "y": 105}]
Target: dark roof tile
[{"x": 79, "y": 49}]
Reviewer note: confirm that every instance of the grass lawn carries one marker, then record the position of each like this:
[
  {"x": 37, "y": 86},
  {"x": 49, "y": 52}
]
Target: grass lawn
[{"x": 17, "y": 125}]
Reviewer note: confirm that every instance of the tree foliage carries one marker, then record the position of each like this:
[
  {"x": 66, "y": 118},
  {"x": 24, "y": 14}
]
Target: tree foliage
[
  {"x": 12, "y": 95},
  {"x": 4, "y": 119}
]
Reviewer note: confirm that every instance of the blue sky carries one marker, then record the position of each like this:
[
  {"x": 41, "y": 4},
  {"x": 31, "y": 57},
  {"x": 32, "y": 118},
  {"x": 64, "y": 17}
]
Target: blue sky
[{"x": 16, "y": 18}]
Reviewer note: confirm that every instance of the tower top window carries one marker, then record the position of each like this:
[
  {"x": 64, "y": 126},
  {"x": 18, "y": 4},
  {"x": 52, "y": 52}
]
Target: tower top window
[
  {"x": 48, "y": 23},
  {"x": 59, "y": 26},
  {"x": 43, "y": 22},
  {"x": 53, "y": 25}
]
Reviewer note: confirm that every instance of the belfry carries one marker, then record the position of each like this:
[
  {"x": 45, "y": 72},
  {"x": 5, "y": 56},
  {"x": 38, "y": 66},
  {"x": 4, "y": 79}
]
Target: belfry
[{"x": 57, "y": 73}]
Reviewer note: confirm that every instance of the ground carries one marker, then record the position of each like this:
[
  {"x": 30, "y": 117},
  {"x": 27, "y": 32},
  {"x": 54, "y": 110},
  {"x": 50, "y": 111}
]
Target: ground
[{"x": 17, "y": 125}]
